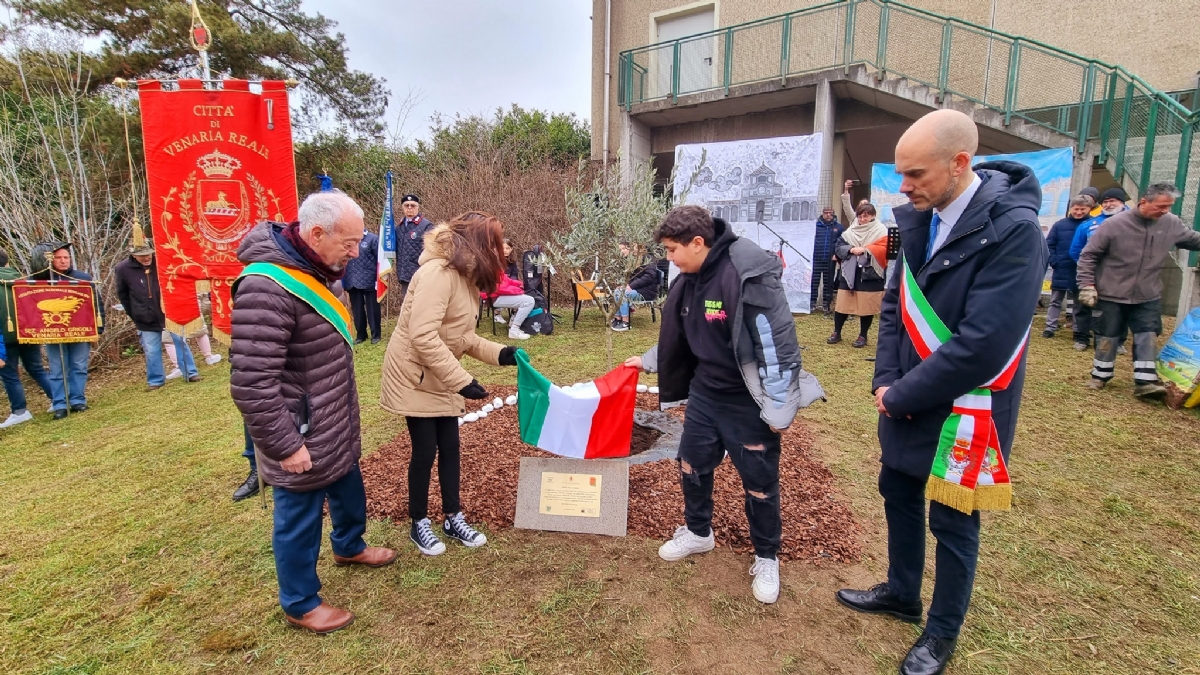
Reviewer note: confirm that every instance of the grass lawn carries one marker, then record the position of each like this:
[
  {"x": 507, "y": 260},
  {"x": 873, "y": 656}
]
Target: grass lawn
[{"x": 122, "y": 552}]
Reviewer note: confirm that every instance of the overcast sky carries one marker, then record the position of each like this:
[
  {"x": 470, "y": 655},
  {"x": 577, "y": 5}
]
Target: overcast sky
[{"x": 470, "y": 56}]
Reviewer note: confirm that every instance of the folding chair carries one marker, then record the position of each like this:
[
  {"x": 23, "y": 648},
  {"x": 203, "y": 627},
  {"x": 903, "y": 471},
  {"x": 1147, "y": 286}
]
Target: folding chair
[
  {"x": 486, "y": 309},
  {"x": 585, "y": 291}
]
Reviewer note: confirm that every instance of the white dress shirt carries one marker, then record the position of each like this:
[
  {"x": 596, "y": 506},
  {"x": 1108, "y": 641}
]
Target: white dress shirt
[{"x": 949, "y": 216}]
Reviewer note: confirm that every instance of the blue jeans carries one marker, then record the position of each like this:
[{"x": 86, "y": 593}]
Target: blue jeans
[
  {"x": 31, "y": 356},
  {"x": 152, "y": 347},
  {"x": 630, "y": 296},
  {"x": 297, "y": 536},
  {"x": 69, "y": 377},
  {"x": 248, "y": 453}
]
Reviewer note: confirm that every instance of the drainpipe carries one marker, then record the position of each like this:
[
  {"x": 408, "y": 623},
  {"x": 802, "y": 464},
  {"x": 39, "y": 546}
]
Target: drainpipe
[{"x": 607, "y": 74}]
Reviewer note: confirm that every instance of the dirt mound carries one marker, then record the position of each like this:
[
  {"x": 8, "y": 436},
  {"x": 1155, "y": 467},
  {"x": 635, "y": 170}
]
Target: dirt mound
[{"x": 816, "y": 526}]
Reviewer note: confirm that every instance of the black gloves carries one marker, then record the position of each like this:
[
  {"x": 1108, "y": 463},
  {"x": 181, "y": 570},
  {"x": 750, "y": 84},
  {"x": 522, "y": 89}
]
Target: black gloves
[
  {"x": 473, "y": 391},
  {"x": 508, "y": 356}
]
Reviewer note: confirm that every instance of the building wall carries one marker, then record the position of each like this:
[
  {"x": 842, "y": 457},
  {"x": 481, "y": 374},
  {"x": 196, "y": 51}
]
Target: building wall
[{"x": 1154, "y": 39}]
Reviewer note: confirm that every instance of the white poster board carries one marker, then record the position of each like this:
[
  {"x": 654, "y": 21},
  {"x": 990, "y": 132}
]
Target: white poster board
[{"x": 767, "y": 190}]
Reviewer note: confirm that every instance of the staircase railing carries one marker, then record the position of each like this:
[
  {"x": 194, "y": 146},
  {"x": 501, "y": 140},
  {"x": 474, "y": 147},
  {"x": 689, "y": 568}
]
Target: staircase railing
[{"x": 1146, "y": 133}]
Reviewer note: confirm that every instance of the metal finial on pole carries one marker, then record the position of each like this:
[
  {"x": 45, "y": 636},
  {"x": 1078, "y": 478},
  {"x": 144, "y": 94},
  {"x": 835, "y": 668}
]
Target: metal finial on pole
[{"x": 201, "y": 38}]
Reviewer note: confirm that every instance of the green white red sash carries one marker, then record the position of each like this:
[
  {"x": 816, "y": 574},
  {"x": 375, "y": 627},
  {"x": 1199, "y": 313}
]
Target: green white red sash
[
  {"x": 968, "y": 472},
  {"x": 309, "y": 291}
]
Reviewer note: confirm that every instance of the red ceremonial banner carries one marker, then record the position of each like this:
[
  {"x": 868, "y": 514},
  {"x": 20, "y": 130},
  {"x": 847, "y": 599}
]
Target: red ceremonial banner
[
  {"x": 218, "y": 162},
  {"x": 49, "y": 312}
]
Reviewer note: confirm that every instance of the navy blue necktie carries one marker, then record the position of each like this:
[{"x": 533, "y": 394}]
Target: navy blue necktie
[{"x": 933, "y": 233}]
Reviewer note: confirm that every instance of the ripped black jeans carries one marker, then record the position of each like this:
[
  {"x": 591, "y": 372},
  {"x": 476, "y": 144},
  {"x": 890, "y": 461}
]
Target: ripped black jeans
[{"x": 710, "y": 428}]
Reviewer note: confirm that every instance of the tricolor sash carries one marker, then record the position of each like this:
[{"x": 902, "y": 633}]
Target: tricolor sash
[
  {"x": 968, "y": 472},
  {"x": 308, "y": 290}
]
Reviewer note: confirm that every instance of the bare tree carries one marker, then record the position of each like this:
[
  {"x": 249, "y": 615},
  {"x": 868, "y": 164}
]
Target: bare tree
[{"x": 60, "y": 180}]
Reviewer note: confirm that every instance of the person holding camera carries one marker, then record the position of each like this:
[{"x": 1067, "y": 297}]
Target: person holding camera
[
  {"x": 862, "y": 255},
  {"x": 422, "y": 377}
]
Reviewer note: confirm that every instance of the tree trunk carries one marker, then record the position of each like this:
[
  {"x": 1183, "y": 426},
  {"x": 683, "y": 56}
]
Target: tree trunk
[{"x": 609, "y": 334}]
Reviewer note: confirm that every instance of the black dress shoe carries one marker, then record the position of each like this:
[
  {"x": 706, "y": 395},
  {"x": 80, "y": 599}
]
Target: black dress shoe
[
  {"x": 359, "y": 341},
  {"x": 879, "y": 599},
  {"x": 82, "y": 407},
  {"x": 928, "y": 656},
  {"x": 249, "y": 488},
  {"x": 59, "y": 414},
  {"x": 375, "y": 341}
]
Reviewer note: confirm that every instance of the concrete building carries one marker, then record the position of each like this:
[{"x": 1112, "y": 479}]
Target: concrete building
[{"x": 1032, "y": 74}]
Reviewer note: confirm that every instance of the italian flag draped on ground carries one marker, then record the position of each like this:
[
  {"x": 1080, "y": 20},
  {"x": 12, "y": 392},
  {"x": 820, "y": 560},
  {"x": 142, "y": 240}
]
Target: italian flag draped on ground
[
  {"x": 968, "y": 472},
  {"x": 593, "y": 420}
]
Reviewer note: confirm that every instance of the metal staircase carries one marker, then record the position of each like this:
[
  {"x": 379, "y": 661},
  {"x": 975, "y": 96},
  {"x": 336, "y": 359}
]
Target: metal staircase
[{"x": 1024, "y": 87}]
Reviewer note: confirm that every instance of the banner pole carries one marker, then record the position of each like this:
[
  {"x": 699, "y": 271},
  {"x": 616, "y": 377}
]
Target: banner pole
[{"x": 62, "y": 368}]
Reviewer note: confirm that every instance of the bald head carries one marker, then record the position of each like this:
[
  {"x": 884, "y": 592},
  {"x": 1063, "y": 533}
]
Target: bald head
[
  {"x": 933, "y": 154},
  {"x": 944, "y": 133}
]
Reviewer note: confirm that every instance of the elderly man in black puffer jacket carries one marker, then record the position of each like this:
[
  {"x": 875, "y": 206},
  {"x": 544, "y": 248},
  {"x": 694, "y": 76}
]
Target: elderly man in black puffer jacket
[{"x": 293, "y": 380}]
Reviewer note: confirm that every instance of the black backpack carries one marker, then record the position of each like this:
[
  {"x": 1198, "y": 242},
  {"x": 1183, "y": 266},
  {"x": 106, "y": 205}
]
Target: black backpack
[
  {"x": 539, "y": 321},
  {"x": 533, "y": 274}
]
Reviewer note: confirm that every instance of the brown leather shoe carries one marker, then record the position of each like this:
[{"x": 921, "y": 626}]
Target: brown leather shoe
[
  {"x": 324, "y": 619},
  {"x": 372, "y": 556}
]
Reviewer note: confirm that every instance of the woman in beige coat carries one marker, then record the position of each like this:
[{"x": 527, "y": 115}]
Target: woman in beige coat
[{"x": 422, "y": 377}]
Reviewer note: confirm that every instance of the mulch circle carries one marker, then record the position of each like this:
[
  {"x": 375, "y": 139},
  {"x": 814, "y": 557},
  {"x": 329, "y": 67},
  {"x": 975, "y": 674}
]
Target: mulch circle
[{"x": 817, "y": 526}]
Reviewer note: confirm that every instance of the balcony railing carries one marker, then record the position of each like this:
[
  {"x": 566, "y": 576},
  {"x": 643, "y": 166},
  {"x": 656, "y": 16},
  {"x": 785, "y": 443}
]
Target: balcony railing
[{"x": 1147, "y": 133}]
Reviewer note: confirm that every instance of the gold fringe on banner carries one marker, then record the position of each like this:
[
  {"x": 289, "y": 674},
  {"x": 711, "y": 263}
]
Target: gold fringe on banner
[
  {"x": 953, "y": 495},
  {"x": 202, "y": 286},
  {"x": 193, "y": 328},
  {"x": 54, "y": 341},
  {"x": 221, "y": 336},
  {"x": 8, "y": 308},
  {"x": 994, "y": 497}
]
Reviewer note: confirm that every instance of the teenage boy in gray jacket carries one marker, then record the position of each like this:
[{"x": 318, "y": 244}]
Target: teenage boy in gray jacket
[{"x": 727, "y": 346}]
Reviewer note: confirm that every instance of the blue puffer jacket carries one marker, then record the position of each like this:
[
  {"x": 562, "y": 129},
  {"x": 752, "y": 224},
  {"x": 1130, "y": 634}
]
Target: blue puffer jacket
[
  {"x": 1085, "y": 232},
  {"x": 984, "y": 284},
  {"x": 361, "y": 271},
  {"x": 824, "y": 241},
  {"x": 1058, "y": 242}
]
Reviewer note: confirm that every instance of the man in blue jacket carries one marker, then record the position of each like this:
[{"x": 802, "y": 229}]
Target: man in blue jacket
[
  {"x": 828, "y": 231},
  {"x": 359, "y": 282},
  {"x": 410, "y": 241},
  {"x": 1063, "y": 286},
  {"x": 972, "y": 264},
  {"x": 1112, "y": 202}
]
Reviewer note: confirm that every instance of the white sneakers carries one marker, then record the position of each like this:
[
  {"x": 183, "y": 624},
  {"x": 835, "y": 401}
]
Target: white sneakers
[
  {"x": 685, "y": 543},
  {"x": 499, "y": 318},
  {"x": 764, "y": 570},
  {"x": 766, "y": 579},
  {"x": 212, "y": 359},
  {"x": 15, "y": 419},
  {"x": 174, "y": 374},
  {"x": 515, "y": 333}
]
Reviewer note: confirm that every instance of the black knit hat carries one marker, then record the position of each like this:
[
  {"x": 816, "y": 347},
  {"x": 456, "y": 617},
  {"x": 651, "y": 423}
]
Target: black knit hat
[
  {"x": 1090, "y": 192},
  {"x": 1114, "y": 193}
]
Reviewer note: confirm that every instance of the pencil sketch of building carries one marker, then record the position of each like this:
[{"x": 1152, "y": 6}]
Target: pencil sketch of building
[{"x": 763, "y": 194}]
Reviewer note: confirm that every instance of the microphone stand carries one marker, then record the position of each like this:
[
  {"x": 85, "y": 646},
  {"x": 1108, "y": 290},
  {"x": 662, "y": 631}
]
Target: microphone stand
[{"x": 785, "y": 242}]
